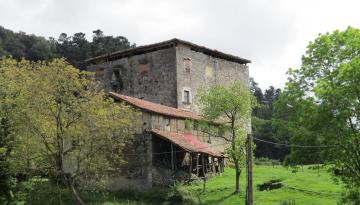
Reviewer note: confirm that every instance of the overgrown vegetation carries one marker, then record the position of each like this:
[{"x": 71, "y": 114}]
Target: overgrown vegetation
[{"x": 63, "y": 126}]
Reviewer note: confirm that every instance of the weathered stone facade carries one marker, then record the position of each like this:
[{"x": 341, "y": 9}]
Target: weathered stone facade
[
  {"x": 168, "y": 73},
  {"x": 205, "y": 71},
  {"x": 165, "y": 72}
]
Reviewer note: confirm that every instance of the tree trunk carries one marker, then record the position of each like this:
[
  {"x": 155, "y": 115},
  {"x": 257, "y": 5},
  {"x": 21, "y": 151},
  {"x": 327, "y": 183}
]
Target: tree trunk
[
  {"x": 75, "y": 194},
  {"x": 237, "y": 173}
]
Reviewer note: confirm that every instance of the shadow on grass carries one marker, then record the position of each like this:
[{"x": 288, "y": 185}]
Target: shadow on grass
[
  {"x": 220, "y": 200},
  {"x": 45, "y": 193}
]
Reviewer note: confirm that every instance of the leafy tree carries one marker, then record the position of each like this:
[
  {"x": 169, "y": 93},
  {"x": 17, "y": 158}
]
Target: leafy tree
[
  {"x": 75, "y": 49},
  {"x": 77, "y": 130},
  {"x": 20, "y": 45},
  {"x": 231, "y": 105},
  {"x": 321, "y": 104},
  {"x": 262, "y": 123}
]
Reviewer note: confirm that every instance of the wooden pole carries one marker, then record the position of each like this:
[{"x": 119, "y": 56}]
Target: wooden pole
[
  {"x": 175, "y": 161},
  {"x": 249, "y": 188},
  {"x": 190, "y": 166},
  {"x": 204, "y": 173},
  {"x": 213, "y": 165},
  {"x": 172, "y": 157},
  {"x": 197, "y": 167}
]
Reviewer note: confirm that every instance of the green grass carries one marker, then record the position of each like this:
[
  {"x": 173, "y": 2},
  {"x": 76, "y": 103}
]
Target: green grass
[{"x": 306, "y": 186}]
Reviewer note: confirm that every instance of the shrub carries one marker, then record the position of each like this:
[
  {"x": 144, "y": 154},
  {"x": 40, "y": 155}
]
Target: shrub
[{"x": 267, "y": 162}]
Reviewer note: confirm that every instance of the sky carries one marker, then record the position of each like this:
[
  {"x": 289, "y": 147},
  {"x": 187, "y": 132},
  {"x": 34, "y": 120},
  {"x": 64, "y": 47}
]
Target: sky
[{"x": 273, "y": 34}]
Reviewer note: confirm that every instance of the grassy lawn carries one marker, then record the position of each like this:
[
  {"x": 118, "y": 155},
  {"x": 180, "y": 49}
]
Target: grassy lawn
[{"x": 307, "y": 186}]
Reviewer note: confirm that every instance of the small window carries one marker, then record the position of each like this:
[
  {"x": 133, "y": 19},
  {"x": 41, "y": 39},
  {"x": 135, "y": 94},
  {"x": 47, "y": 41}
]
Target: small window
[
  {"x": 209, "y": 71},
  {"x": 99, "y": 72},
  {"x": 115, "y": 76},
  {"x": 187, "y": 64},
  {"x": 187, "y": 97},
  {"x": 209, "y": 139},
  {"x": 167, "y": 121},
  {"x": 116, "y": 81},
  {"x": 144, "y": 67}
]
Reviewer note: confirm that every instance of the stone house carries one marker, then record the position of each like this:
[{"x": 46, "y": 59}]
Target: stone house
[
  {"x": 169, "y": 72},
  {"x": 161, "y": 81}
]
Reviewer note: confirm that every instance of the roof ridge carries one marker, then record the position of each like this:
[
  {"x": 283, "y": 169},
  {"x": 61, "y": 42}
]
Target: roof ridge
[{"x": 161, "y": 44}]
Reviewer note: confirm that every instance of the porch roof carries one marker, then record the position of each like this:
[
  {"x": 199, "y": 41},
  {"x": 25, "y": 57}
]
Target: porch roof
[{"x": 187, "y": 141}]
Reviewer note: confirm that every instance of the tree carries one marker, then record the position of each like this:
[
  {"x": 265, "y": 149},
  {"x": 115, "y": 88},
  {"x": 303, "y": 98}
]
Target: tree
[
  {"x": 262, "y": 123},
  {"x": 75, "y": 49},
  {"x": 80, "y": 130},
  {"x": 231, "y": 105},
  {"x": 322, "y": 104}
]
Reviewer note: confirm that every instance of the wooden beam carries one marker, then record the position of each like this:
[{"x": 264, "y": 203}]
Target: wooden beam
[
  {"x": 172, "y": 157},
  {"x": 213, "y": 165},
  {"x": 190, "y": 166},
  {"x": 203, "y": 169},
  {"x": 175, "y": 166},
  {"x": 197, "y": 167}
]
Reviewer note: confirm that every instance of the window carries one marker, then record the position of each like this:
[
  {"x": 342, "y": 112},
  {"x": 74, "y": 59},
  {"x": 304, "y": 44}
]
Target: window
[
  {"x": 187, "y": 64},
  {"x": 144, "y": 67},
  {"x": 209, "y": 71},
  {"x": 116, "y": 81},
  {"x": 186, "y": 97},
  {"x": 99, "y": 72},
  {"x": 167, "y": 124}
]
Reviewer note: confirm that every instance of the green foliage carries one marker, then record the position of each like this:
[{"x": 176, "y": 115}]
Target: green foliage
[
  {"x": 320, "y": 104},
  {"x": 76, "y": 49},
  {"x": 350, "y": 197},
  {"x": 262, "y": 125},
  {"x": 21, "y": 45},
  {"x": 65, "y": 125},
  {"x": 267, "y": 162},
  {"x": 231, "y": 106}
]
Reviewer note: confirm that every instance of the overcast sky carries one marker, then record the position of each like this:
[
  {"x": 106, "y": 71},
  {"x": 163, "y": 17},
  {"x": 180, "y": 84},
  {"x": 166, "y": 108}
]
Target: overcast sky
[{"x": 273, "y": 34}]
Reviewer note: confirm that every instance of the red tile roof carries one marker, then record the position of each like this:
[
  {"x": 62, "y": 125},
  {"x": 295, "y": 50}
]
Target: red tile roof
[
  {"x": 155, "y": 107},
  {"x": 187, "y": 141}
]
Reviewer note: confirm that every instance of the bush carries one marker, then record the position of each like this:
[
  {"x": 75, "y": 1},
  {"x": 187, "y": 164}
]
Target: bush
[
  {"x": 267, "y": 162},
  {"x": 350, "y": 197}
]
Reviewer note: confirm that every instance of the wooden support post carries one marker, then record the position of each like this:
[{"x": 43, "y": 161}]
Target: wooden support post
[
  {"x": 221, "y": 165},
  {"x": 172, "y": 157},
  {"x": 190, "y": 166},
  {"x": 249, "y": 188},
  {"x": 213, "y": 165},
  {"x": 197, "y": 167},
  {"x": 175, "y": 161},
  {"x": 204, "y": 163},
  {"x": 204, "y": 173}
]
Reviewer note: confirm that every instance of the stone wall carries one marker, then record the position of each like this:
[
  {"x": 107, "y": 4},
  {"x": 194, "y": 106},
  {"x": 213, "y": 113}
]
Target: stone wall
[
  {"x": 205, "y": 71},
  {"x": 150, "y": 76}
]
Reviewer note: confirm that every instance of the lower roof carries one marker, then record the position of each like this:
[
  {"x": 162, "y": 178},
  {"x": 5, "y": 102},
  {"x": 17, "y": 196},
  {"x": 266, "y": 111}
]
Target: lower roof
[
  {"x": 187, "y": 141},
  {"x": 155, "y": 107}
]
